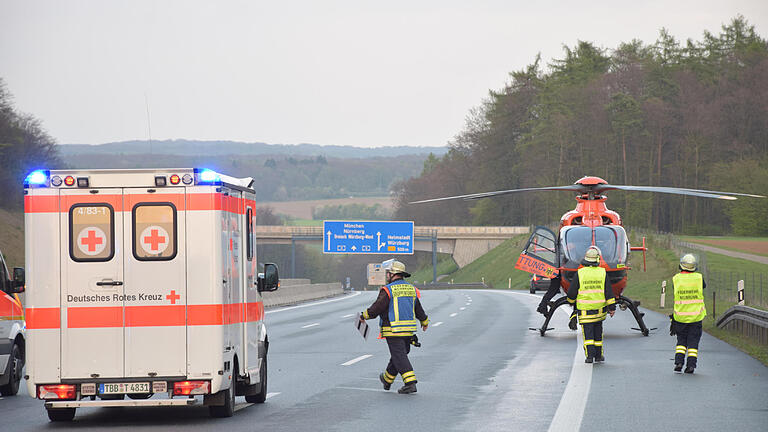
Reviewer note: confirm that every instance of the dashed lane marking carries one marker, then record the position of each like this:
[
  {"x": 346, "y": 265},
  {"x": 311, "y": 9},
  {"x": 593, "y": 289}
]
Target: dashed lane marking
[
  {"x": 269, "y": 395},
  {"x": 469, "y": 303},
  {"x": 310, "y": 325},
  {"x": 360, "y": 388},
  {"x": 462, "y": 308},
  {"x": 356, "y": 359},
  {"x": 346, "y": 297},
  {"x": 437, "y": 324},
  {"x": 453, "y": 314},
  {"x": 348, "y": 316}
]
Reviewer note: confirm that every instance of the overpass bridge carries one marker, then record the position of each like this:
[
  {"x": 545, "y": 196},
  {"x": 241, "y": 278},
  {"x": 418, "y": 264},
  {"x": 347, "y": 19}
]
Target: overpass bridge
[{"x": 464, "y": 243}]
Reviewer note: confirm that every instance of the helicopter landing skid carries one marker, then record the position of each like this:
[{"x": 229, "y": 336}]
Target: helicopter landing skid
[
  {"x": 624, "y": 303},
  {"x": 556, "y": 304}
]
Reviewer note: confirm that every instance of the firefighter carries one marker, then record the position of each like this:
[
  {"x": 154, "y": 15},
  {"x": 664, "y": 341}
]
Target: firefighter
[
  {"x": 689, "y": 313},
  {"x": 400, "y": 314},
  {"x": 591, "y": 290}
]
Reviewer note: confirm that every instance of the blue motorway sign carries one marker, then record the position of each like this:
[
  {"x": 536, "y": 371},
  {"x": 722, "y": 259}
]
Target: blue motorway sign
[{"x": 367, "y": 237}]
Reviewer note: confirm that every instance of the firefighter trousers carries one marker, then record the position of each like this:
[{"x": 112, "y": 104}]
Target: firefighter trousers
[
  {"x": 593, "y": 339},
  {"x": 688, "y": 337},
  {"x": 399, "y": 347}
]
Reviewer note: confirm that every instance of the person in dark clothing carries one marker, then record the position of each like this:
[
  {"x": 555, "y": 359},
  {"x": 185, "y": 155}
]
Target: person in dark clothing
[
  {"x": 689, "y": 312},
  {"x": 400, "y": 314},
  {"x": 554, "y": 288},
  {"x": 591, "y": 291}
]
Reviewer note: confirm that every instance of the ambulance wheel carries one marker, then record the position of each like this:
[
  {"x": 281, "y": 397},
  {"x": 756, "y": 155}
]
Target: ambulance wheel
[
  {"x": 15, "y": 364},
  {"x": 228, "y": 409},
  {"x": 261, "y": 396},
  {"x": 61, "y": 414}
]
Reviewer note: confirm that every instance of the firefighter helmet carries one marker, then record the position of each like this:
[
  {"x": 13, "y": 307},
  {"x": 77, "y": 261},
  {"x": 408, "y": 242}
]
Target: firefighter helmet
[
  {"x": 395, "y": 267},
  {"x": 592, "y": 255},
  {"x": 688, "y": 262}
]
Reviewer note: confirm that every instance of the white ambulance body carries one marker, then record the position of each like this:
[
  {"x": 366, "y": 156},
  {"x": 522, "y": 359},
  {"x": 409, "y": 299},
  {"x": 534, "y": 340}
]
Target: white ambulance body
[{"x": 143, "y": 283}]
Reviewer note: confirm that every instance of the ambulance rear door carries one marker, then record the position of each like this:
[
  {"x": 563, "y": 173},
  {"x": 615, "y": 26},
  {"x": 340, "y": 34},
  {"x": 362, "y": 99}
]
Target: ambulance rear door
[
  {"x": 155, "y": 282},
  {"x": 92, "y": 250}
]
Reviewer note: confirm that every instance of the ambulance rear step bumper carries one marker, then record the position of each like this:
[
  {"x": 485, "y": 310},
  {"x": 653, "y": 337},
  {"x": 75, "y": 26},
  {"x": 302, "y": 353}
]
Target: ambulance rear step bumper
[{"x": 121, "y": 403}]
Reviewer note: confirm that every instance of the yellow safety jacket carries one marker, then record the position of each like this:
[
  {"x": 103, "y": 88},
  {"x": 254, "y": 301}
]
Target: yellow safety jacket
[
  {"x": 689, "y": 297},
  {"x": 590, "y": 301},
  {"x": 402, "y": 310}
]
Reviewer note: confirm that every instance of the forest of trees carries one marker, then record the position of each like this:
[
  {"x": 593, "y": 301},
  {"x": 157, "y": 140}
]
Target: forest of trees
[
  {"x": 691, "y": 115},
  {"x": 24, "y": 146}
]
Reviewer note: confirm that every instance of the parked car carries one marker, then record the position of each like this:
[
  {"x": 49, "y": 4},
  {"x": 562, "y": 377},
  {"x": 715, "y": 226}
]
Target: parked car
[{"x": 539, "y": 283}]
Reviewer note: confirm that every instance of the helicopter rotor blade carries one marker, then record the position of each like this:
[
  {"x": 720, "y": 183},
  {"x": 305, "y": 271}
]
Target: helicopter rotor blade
[
  {"x": 672, "y": 190},
  {"x": 474, "y": 196}
]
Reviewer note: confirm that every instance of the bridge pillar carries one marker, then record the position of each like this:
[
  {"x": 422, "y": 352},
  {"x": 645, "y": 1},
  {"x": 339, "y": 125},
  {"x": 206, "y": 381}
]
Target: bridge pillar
[
  {"x": 434, "y": 257},
  {"x": 293, "y": 258}
]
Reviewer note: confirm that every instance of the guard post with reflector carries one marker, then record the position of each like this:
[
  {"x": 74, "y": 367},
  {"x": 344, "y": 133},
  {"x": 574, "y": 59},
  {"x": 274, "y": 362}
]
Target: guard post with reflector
[{"x": 740, "y": 292}]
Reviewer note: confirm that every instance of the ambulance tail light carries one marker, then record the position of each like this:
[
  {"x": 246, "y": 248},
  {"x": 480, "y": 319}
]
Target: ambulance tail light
[
  {"x": 175, "y": 179},
  {"x": 57, "y": 391},
  {"x": 188, "y": 388},
  {"x": 38, "y": 178},
  {"x": 204, "y": 176}
]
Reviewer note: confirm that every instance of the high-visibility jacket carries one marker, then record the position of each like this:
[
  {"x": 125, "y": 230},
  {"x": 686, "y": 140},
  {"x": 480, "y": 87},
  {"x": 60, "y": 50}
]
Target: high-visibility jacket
[
  {"x": 591, "y": 288},
  {"x": 689, "y": 297},
  {"x": 402, "y": 310}
]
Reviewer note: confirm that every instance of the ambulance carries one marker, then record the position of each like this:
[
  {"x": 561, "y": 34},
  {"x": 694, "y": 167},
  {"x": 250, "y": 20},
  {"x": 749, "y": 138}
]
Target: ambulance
[
  {"x": 12, "y": 329},
  {"x": 143, "y": 289}
]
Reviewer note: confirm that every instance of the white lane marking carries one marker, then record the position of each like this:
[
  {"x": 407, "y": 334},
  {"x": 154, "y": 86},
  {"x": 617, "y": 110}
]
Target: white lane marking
[
  {"x": 469, "y": 303},
  {"x": 348, "y": 316},
  {"x": 453, "y": 314},
  {"x": 357, "y": 359},
  {"x": 269, "y": 395},
  {"x": 242, "y": 405},
  {"x": 346, "y": 297},
  {"x": 462, "y": 308},
  {"x": 570, "y": 411},
  {"x": 437, "y": 324},
  {"x": 360, "y": 388},
  {"x": 310, "y": 325}
]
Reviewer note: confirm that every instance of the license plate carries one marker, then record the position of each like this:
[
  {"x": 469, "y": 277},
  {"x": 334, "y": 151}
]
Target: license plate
[{"x": 123, "y": 388}]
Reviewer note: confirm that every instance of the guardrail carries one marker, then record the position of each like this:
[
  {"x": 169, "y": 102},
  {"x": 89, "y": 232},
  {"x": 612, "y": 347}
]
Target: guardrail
[
  {"x": 748, "y": 321},
  {"x": 291, "y": 294}
]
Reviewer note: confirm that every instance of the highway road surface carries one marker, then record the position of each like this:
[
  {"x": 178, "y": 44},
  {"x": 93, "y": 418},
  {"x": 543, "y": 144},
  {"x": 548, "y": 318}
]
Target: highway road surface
[{"x": 479, "y": 369}]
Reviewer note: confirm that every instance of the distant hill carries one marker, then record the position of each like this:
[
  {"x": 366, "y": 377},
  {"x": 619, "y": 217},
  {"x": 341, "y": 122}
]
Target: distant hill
[{"x": 221, "y": 148}]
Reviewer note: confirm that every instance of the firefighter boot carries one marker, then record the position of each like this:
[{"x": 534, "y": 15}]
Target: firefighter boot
[
  {"x": 689, "y": 369},
  {"x": 407, "y": 389},
  {"x": 678, "y": 367},
  {"x": 588, "y": 360},
  {"x": 384, "y": 382}
]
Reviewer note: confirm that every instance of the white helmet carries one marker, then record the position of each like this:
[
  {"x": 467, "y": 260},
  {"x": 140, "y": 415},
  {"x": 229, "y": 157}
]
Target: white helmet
[
  {"x": 395, "y": 267},
  {"x": 688, "y": 262},
  {"x": 592, "y": 255}
]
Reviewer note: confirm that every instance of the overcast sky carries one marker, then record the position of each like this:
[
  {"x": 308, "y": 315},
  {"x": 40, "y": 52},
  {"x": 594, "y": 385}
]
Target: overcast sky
[{"x": 363, "y": 73}]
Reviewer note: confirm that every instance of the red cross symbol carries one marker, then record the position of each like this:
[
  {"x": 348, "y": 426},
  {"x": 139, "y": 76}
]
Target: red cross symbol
[
  {"x": 91, "y": 241},
  {"x": 154, "y": 240},
  {"x": 173, "y": 296}
]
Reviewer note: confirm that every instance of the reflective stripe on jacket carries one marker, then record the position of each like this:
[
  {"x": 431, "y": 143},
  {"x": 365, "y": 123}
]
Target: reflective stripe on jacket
[
  {"x": 689, "y": 297},
  {"x": 591, "y": 289},
  {"x": 402, "y": 312}
]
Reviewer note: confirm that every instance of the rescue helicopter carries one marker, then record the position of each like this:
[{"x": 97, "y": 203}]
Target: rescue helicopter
[{"x": 591, "y": 223}]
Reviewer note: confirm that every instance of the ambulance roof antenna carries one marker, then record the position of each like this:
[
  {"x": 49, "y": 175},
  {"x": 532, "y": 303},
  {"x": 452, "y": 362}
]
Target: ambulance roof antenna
[{"x": 149, "y": 123}]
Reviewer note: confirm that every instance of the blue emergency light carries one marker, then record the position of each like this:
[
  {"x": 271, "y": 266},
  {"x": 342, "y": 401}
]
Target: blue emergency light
[
  {"x": 37, "y": 178},
  {"x": 205, "y": 176}
]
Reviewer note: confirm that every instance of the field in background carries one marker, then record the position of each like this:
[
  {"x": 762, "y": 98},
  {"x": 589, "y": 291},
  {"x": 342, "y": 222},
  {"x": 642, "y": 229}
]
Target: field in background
[
  {"x": 12, "y": 237},
  {"x": 303, "y": 209},
  {"x": 753, "y": 245}
]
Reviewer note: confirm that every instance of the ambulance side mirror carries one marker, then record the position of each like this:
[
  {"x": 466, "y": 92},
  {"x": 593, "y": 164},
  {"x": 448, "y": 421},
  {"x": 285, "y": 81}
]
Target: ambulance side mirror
[
  {"x": 270, "y": 281},
  {"x": 17, "y": 286}
]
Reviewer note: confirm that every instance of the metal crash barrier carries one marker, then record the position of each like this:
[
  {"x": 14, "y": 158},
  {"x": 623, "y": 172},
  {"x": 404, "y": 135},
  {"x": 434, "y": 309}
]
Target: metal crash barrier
[{"x": 750, "y": 322}]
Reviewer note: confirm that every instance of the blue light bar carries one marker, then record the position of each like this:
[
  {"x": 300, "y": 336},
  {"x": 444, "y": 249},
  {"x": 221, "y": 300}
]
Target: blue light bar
[
  {"x": 205, "y": 176},
  {"x": 37, "y": 178}
]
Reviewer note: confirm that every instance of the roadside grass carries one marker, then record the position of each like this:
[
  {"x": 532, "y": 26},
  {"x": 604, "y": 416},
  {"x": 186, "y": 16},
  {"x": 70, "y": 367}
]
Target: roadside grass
[
  {"x": 703, "y": 240},
  {"x": 445, "y": 265},
  {"x": 497, "y": 266}
]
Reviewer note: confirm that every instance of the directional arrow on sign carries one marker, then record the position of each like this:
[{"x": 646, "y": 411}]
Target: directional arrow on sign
[
  {"x": 378, "y": 241},
  {"x": 354, "y": 248},
  {"x": 329, "y": 239}
]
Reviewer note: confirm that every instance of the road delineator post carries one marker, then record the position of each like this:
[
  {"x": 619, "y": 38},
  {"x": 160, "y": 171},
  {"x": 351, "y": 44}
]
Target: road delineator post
[
  {"x": 663, "y": 293},
  {"x": 509, "y": 284},
  {"x": 740, "y": 287}
]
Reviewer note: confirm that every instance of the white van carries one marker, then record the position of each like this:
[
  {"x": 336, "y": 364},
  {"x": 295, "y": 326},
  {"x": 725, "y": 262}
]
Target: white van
[{"x": 143, "y": 283}]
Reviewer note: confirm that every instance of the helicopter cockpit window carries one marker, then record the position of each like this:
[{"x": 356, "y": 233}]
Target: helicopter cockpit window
[{"x": 611, "y": 240}]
